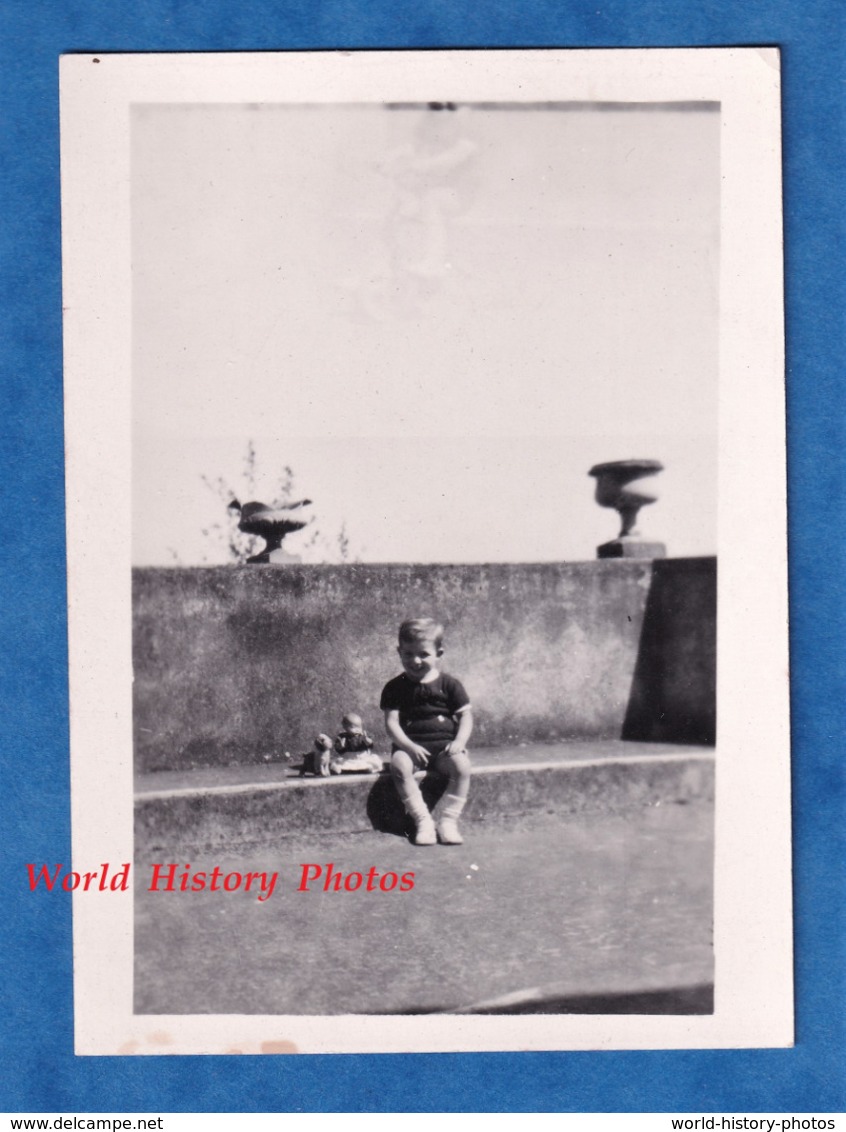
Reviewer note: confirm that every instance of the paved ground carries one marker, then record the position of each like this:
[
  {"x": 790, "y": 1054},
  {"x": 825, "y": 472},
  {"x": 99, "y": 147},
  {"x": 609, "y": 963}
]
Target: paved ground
[
  {"x": 564, "y": 913},
  {"x": 522, "y": 755}
]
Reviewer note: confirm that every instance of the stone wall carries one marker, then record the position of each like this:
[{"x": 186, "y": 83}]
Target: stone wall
[{"x": 238, "y": 664}]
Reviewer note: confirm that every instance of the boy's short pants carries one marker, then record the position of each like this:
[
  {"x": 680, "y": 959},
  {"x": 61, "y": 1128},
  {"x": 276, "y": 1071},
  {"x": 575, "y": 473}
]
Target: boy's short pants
[{"x": 437, "y": 763}]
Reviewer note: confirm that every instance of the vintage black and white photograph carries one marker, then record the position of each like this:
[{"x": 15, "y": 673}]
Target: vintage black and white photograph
[{"x": 442, "y": 392}]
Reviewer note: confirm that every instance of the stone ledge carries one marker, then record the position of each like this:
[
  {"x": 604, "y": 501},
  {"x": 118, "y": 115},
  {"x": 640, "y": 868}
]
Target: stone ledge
[{"x": 185, "y": 815}]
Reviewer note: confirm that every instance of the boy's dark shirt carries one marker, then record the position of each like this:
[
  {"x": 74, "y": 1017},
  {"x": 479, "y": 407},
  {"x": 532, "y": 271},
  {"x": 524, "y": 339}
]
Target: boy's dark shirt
[{"x": 426, "y": 711}]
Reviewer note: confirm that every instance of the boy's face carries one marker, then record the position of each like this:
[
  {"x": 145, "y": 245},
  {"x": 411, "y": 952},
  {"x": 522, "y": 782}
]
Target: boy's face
[{"x": 419, "y": 658}]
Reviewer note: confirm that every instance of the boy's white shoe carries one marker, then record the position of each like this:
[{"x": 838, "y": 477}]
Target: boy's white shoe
[
  {"x": 448, "y": 832},
  {"x": 426, "y": 833},
  {"x": 452, "y": 808}
]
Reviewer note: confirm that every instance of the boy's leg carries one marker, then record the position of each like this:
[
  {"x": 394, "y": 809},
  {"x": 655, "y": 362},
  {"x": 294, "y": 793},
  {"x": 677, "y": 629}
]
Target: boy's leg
[
  {"x": 402, "y": 772},
  {"x": 458, "y": 768}
]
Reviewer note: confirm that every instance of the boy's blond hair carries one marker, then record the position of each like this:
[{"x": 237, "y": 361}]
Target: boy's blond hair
[{"x": 422, "y": 629}]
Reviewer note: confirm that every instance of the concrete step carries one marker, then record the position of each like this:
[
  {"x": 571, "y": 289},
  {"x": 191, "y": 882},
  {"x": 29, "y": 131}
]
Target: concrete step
[{"x": 223, "y": 807}]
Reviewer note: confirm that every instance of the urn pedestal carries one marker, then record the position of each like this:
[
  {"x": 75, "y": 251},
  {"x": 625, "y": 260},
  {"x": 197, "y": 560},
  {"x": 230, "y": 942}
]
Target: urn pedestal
[
  {"x": 277, "y": 557},
  {"x": 618, "y": 486}
]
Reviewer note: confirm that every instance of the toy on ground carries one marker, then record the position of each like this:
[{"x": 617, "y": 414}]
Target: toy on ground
[
  {"x": 316, "y": 761},
  {"x": 352, "y": 749}
]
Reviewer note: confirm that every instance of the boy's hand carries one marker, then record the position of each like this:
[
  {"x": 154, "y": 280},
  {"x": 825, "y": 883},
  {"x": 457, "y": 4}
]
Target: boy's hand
[{"x": 419, "y": 754}]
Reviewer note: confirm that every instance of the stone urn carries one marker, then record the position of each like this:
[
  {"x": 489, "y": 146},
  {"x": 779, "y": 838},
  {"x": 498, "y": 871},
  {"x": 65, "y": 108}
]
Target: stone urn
[
  {"x": 272, "y": 523},
  {"x": 619, "y": 484}
]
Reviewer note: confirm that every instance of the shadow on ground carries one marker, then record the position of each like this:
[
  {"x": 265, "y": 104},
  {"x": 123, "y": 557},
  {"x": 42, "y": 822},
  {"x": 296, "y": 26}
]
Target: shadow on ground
[{"x": 676, "y": 1000}]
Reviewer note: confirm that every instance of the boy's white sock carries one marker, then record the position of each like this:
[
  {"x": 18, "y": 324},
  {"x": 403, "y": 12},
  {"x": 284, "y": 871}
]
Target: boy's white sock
[
  {"x": 415, "y": 806},
  {"x": 451, "y": 810}
]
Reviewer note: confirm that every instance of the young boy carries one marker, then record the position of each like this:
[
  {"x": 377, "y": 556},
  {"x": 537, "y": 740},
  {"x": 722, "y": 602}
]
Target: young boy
[{"x": 429, "y": 719}]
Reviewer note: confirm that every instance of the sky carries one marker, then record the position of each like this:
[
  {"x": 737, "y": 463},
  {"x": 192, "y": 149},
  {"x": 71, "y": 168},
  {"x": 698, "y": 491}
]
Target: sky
[{"x": 439, "y": 319}]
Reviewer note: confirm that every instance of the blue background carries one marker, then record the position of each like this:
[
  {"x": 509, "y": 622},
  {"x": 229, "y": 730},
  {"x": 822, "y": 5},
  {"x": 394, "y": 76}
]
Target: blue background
[{"x": 39, "y": 1071}]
